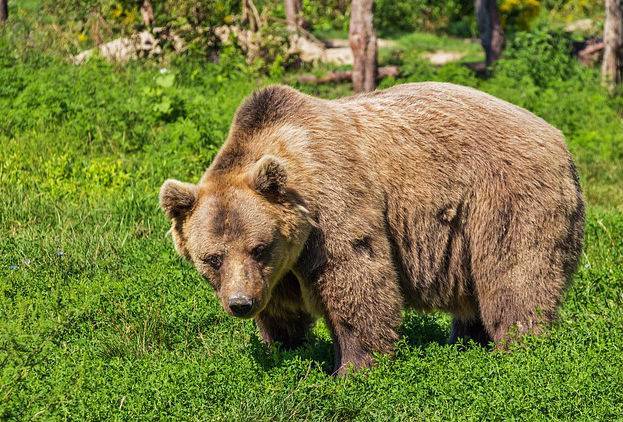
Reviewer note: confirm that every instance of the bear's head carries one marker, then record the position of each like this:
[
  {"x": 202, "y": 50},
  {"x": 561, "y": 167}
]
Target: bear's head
[{"x": 243, "y": 231}]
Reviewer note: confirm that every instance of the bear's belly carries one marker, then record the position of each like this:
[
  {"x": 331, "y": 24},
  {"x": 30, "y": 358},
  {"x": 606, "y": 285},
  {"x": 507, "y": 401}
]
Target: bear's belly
[{"x": 432, "y": 251}]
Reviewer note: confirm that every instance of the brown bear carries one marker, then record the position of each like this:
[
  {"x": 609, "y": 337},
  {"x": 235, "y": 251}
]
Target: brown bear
[{"x": 426, "y": 195}]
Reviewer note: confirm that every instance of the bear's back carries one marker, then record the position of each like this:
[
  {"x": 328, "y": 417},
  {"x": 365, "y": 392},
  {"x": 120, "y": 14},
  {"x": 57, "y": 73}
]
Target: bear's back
[
  {"x": 435, "y": 131},
  {"x": 442, "y": 107}
]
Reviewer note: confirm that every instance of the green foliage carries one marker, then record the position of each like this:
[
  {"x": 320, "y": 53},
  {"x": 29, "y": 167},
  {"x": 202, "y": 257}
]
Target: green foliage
[
  {"x": 167, "y": 105},
  {"x": 390, "y": 17},
  {"x": 566, "y": 11},
  {"x": 453, "y": 16},
  {"x": 99, "y": 318},
  {"x": 518, "y": 14},
  {"x": 326, "y": 15},
  {"x": 538, "y": 58}
]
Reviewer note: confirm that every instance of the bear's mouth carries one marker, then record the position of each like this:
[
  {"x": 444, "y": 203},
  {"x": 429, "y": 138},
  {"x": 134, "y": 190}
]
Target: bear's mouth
[{"x": 244, "y": 303}]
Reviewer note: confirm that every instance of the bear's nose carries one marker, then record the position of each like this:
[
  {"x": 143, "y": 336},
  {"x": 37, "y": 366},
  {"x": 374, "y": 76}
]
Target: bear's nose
[{"x": 240, "y": 305}]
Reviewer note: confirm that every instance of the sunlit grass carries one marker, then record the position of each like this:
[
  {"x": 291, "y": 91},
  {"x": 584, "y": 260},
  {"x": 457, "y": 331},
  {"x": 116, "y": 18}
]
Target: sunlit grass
[{"x": 100, "y": 319}]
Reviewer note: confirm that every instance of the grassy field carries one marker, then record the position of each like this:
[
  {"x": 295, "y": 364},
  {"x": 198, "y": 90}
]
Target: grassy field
[{"x": 100, "y": 319}]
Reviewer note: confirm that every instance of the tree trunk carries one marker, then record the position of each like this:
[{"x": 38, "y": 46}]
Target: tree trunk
[
  {"x": 491, "y": 33},
  {"x": 363, "y": 43},
  {"x": 147, "y": 13},
  {"x": 293, "y": 14},
  {"x": 612, "y": 65},
  {"x": 4, "y": 10}
]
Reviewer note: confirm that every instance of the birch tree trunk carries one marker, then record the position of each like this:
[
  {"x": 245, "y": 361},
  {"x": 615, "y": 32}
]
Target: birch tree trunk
[
  {"x": 612, "y": 65},
  {"x": 363, "y": 44},
  {"x": 491, "y": 33},
  {"x": 147, "y": 13},
  {"x": 294, "y": 19}
]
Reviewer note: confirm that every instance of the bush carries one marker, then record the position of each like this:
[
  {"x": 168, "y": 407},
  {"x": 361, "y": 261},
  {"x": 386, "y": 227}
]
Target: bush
[
  {"x": 423, "y": 15},
  {"x": 518, "y": 14},
  {"x": 390, "y": 17},
  {"x": 538, "y": 57}
]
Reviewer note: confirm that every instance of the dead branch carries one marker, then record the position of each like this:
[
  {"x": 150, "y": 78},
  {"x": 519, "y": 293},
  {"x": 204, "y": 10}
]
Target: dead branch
[
  {"x": 251, "y": 15},
  {"x": 591, "y": 53},
  {"x": 141, "y": 44}
]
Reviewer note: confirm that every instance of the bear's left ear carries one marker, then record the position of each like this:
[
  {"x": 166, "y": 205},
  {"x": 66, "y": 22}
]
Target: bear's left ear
[
  {"x": 177, "y": 198},
  {"x": 268, "y": 176}
]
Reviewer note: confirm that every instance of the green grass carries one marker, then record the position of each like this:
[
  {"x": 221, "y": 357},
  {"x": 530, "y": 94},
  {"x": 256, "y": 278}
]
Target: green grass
[
  {"x": 415, "y": 44},
  {"x": 100, "y": 319},
  {"x": 426, "y": 42}
]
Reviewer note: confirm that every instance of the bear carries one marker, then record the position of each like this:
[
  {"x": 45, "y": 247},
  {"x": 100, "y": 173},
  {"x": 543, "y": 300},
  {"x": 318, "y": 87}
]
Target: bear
[{"x": 430, "y": 196}]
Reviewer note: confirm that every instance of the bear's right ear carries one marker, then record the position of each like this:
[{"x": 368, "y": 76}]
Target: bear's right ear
[
  {"x": 268, "y": 176},
  {"x": 177, "y": 198}
]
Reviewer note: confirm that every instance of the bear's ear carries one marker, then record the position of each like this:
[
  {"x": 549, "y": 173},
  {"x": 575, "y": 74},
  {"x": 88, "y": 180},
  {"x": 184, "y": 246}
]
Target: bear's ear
[
  {"x": 177, "y": 198},
  {"x": 268, "y": 176}
]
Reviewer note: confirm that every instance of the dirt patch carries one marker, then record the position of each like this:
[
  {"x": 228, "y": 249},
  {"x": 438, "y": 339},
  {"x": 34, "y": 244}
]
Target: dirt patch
[{"x": 441, "y": 57}]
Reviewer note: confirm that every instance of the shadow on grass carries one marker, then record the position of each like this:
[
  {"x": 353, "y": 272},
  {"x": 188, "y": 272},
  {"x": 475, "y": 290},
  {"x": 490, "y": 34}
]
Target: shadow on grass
[
  {"x": 417, "y": 329},
  {"x": 421, "y": 329},
  {"x": 315, "y": 349}
]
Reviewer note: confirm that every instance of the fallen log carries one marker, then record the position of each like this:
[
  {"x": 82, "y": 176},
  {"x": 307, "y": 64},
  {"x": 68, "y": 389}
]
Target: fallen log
[
  {"x": 588, "y": 51},
  {"x": 145, "y": 43},
  {"x": 591, "y": 53},
  {"x": 347, "y": 75}
]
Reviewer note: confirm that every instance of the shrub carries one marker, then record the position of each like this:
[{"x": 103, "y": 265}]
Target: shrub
[
  {"x": 538, "y": 57},
  {"x": 518, "y": 14}
]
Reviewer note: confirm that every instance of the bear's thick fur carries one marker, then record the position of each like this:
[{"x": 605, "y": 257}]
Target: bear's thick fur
[{"x": 429, "y": 195}]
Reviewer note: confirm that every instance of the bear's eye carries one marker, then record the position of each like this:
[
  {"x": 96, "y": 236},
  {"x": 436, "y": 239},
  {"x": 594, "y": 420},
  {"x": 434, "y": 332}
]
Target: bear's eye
[
  {"x": 215, "y": 261},
  {"x": 259, "y": 252}
]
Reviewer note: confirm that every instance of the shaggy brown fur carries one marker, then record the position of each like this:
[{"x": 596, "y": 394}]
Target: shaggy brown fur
[{"x": 431, "y": 195}]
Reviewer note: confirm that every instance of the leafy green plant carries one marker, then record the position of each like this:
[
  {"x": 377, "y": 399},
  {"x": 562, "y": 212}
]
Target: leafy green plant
[
  {"x": 519, "y": 14},
  {"x": 538, "y": 57},
  {"x": 166, "y": 105}
]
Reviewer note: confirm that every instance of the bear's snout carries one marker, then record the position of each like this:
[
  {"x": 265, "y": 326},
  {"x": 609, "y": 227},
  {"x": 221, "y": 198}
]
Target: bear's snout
[{"x": 240, "y": 305}]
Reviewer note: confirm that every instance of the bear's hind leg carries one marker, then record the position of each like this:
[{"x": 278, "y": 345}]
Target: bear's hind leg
[
  {"x": 521, "y": 262},
  {"x": 507, "y": 316},
  {"x": 522, "y": 301},
  {"x": 469, "y": 329}
]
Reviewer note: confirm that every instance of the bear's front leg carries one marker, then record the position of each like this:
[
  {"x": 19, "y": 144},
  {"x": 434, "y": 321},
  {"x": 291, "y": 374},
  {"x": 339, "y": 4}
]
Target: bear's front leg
[
  {"x": 290, "y": 329},
  {"x": 284, "y": 319},
  {"x": 362, "y": 303}
]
